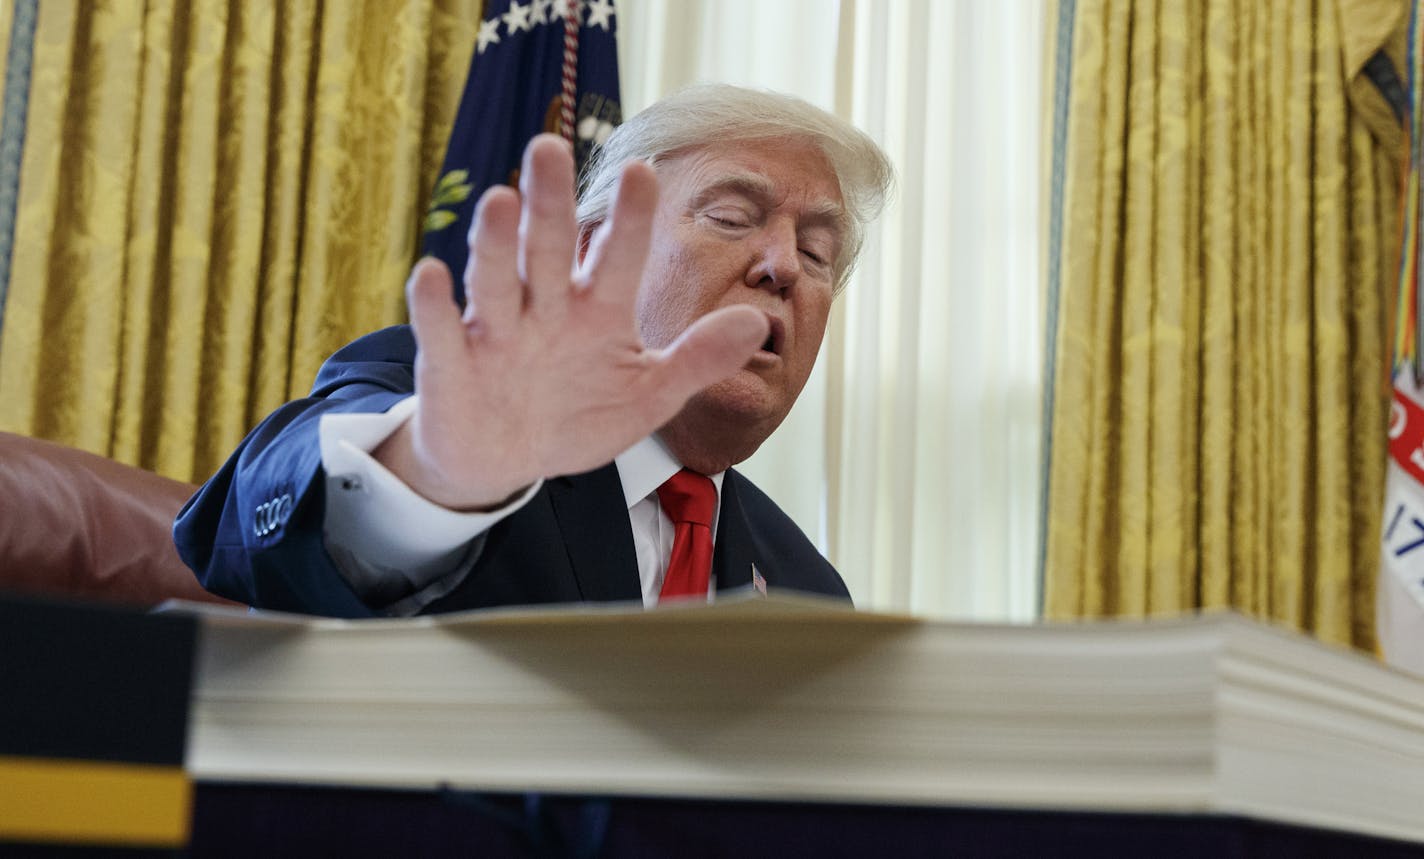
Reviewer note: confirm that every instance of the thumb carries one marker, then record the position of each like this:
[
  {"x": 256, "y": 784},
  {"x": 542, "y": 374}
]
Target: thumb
[{"x": 711, "y": 349}]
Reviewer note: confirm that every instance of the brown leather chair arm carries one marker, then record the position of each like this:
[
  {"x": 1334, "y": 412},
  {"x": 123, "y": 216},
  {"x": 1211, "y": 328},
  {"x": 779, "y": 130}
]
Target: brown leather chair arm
[{"x": 73, "y": 524}]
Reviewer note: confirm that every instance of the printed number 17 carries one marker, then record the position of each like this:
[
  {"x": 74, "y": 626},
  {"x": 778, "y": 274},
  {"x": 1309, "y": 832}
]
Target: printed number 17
[{"x": 1399, "y": 514}]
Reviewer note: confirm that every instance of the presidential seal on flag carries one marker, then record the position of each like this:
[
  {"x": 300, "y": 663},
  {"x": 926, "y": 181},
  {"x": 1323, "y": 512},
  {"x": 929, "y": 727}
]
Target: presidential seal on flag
[{"x": 538, "y": 66}]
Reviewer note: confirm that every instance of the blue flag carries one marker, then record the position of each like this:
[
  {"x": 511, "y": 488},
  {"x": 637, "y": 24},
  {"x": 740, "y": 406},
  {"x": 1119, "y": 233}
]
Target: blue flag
[{"x": 542, "y": 65}]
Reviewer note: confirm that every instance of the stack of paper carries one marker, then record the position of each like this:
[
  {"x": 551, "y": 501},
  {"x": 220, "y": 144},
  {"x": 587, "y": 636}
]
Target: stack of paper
[{"x": 803, "y": 699}]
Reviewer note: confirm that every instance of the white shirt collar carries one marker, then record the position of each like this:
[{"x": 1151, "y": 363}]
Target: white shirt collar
[{"x": 647, "y": 465}]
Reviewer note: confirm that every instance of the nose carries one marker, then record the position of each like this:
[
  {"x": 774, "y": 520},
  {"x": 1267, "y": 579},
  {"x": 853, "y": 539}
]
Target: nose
[{"x": 776, "y": 264}]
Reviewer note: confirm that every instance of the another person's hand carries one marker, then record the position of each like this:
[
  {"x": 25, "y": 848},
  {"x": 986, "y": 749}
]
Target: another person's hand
[{"x": 545, "y": 373}]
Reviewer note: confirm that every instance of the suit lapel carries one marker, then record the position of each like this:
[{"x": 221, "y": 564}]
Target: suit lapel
[
  {"x": 593, "y": 519},
  {"x": 733, "y": 555}
]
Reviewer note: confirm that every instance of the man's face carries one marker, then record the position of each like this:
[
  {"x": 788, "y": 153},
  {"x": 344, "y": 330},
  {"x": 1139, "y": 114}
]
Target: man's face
[{"x": 757, "y": 223}]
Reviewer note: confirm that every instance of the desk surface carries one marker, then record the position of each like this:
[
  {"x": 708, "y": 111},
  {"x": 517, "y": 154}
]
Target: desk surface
[{"x": 266, "y": 820}]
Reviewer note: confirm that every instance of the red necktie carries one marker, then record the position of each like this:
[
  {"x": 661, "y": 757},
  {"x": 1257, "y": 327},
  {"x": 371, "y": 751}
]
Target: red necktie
[{"x": 689, "y": 499}]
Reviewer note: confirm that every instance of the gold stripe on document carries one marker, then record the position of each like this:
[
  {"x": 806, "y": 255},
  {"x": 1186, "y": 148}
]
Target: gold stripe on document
[{"x": 93, "y": 802}]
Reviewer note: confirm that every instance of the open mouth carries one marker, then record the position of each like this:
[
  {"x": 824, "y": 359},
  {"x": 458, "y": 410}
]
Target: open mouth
[{"x": 776, "y": 338}]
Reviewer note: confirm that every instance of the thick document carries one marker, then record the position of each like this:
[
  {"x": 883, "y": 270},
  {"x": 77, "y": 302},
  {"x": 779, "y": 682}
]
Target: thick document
[
  {"x": 93, "y": 721},
  {"x": 793, "y": 698}
]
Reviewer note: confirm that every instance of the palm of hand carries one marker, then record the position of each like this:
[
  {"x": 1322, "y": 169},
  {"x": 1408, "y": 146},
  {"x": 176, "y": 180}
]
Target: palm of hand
[{"x": 545, "y": 373}]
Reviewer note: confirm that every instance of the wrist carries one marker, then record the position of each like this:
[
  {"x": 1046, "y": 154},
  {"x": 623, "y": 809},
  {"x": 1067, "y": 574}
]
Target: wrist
[{"x": 400, "y": 455}]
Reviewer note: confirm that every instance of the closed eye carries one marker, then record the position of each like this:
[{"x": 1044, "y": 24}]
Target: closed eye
[{"x": 727, "y": 220}]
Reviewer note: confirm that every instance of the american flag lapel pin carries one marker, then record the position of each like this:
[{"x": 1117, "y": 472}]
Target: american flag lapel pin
[{"x": 758, "y": 582}]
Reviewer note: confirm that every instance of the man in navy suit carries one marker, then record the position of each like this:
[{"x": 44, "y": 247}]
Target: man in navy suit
[{"x": 511, "y": 452}]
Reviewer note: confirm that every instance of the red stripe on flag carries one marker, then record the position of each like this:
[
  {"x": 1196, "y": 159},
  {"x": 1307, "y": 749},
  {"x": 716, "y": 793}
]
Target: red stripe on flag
[{"x": 1406, "y": 435}]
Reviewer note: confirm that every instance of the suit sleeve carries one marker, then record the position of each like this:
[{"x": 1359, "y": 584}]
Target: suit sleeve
[
  {"x": 254, "y": 531},
  {"x": 397, "y": 549}
]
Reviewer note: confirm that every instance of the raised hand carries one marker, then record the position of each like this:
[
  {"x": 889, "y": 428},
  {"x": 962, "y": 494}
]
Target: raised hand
[{"x": 544, "y": 373}]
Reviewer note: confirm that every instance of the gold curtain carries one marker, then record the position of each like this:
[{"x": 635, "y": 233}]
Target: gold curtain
[
  {"x": 1229, "y": 232},
  {"x": 7, "y": 12},
  {"x": 215, "y": 195}
]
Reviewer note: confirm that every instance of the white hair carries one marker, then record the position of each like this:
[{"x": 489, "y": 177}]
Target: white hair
[{"x": 721, "y": 113}]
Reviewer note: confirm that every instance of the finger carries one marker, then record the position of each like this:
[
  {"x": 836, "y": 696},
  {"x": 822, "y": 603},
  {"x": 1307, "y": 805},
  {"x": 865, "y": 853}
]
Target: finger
[
  {"x": 713, "y": 348},
  {"x": 434, "y": 315},
  {"x": 620, "y": 247},
  {"x": 493, "y": 290},
  {"x": 547, "y": 233}
]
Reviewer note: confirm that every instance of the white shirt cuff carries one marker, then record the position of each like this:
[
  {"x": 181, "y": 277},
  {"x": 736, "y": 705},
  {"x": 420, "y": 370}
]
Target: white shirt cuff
[{"x": 389, "y": 541}]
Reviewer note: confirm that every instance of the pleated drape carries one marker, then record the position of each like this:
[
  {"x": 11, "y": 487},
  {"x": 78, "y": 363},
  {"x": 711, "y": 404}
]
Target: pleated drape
[
  {"x": 214, "y": 195},
  {"x": 1229, "y": 228}
]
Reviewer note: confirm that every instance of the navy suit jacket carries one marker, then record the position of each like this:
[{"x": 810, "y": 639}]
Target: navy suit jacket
[{"x": 253, "y": 532}]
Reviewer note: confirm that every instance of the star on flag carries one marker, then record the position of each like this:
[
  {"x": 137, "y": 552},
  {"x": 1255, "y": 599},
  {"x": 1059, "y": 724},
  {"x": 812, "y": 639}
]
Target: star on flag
[
  {"x": 524, "y": 17},
  {"x": 600, "y": 14},
  {"x": 517, "y": 18},
  {"x": 489, "y": 35}
]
